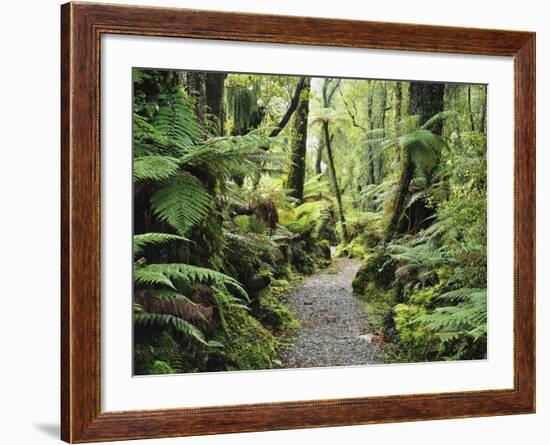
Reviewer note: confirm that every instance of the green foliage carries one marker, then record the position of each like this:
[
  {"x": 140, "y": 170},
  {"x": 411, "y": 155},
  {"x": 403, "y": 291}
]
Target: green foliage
[
  {"x": 152, "y": 238},
  {"x": 462, "y": 320},
  {"x": 171, "y": 273},
  {"x": 160, "y": 367},
  {"x": 218, "y": 234},
  {"x": 155, "y": 168},
  {"x": 183, "y": 202},
  {"x": 165, "y": 320}
]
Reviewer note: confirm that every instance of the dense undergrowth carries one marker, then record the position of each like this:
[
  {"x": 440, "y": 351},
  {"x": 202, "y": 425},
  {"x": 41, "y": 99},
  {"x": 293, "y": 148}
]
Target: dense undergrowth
[
  {"x": 212, "y": 257},
  {"x": 242, "y": 183},
  {"x": 425, "y": 289}
]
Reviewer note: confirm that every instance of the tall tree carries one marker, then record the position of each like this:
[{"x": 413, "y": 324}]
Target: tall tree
[
  {"x": 370, "y": 126},
  {"x": 426, "y": 100},
  {"x": 297, "y": 168},
  {"x": 383, "y": 109},
  {"x": 397, "y": 100},
  {"x": 319, "y": 153},
  {"x": 291, "y": 107},
  {"x": 470, "y": 113},
  {"x": 483, "y": 114},
  {"x": 214, "y": 99},
  {"x": 327, "y": 96}
]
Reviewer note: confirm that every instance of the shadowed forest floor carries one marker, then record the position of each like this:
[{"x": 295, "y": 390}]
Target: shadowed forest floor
[{"x": 334, "y": 327}]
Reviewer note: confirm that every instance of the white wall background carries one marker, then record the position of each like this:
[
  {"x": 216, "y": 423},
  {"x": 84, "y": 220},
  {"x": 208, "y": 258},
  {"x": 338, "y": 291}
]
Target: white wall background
[{"x": 29, "y": 188}]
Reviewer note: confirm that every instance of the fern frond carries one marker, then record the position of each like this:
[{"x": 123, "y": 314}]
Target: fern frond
[
  {"x": 186, "y": 273},
  {"x": 165, "y": 320},
  {"x": 438, "y": 118},
  {"x": 176, "y": 121},
  {"x": 144, "y": 239},
  {"x": 152, "y": 277},
  {"x": 155, "y": 168},
  {"x": 183, "y": 202}
]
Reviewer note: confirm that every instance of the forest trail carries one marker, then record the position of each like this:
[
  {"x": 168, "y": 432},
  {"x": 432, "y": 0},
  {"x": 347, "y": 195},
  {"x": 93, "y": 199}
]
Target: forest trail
[{"x": 334, "y": 327}]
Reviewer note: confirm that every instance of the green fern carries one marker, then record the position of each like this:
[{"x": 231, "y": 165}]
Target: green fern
[
  {"x": 154, "y": 168},
  {"x": 424, "y": 148},
  {"x": 167, "y": 274},
  {"x": 144, "y": 239},
  {"x": 183, "y": 202},
  {"x": 466, "y": 317},
  {"x": 177, "y": 123},
  {"x": 146, "y": 319}
]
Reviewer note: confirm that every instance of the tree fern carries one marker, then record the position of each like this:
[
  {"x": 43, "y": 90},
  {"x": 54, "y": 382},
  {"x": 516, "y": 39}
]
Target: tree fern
[
  {"x": 176, "y": 121},
  {"x": 154, "y": 167},
  {"x": 183, "y": 202}
]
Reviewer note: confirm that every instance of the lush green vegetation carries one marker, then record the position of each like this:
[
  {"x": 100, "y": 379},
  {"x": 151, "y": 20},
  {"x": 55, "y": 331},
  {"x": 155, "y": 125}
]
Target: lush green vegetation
[{"x": 243, "y": 182}]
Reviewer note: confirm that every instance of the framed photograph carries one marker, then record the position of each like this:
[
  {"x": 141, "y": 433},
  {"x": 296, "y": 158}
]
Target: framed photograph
[{"x": 274, "y": 222}]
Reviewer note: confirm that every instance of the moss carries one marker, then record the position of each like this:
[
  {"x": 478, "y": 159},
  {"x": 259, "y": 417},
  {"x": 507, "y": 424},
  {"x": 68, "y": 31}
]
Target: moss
[
  {"x": 417, "y": 343},
  {"x": 424, "y": 296},
  {"x": 324, "y": 247},
  {"x": 273, "y": 313},
  {"x": 247, "y": 344},
  {"x": 378, "y": 305},
  {"x": 259, "y": 282},
  {"x": 301, "y": 261},
  {"x": 377, "y": 269}
]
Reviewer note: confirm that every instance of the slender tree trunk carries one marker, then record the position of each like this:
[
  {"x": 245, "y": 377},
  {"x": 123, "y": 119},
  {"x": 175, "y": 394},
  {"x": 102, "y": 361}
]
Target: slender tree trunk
[
  {"x": 483, "y": 117},
  {"x": 291, "y": 107},
  {"x": 297, "y": 170},
  {"x": 319, "y": 154},
  {"x": 370, "y": 126},
  {"x": 470, "y": 114},
  {"x": 332, "y": 168},
  {"x": 383, "y": 127},
  {"x": 334, "y": 178},
  {"x": 397, "y": 100}
]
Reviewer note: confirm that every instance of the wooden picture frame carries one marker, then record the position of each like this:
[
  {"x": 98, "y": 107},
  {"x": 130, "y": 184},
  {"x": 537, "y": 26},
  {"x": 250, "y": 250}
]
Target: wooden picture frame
[{"x": 82, "y": 26}]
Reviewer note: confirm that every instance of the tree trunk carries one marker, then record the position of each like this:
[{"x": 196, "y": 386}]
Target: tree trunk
[
  {"x": 332, "y": 170},
  {"x": 326, "y": 102},
  {"x": 472, "y": 127},
  {"x": 426, "y": 100},
  {"x": 196, "y": 87},
  {"x": 380, "y": 169},
  {"x": 397, "y": 100},
  {"x": 297, "y": 170},
  {"x": 483, "y": 117},
  {"x": 319, "y": 154},
  {"x": 370, "y": 126},
  {"x": 398, "y": 204},
  {"x": 214, "y": 99},
  {"x": 291, "y": 107}
]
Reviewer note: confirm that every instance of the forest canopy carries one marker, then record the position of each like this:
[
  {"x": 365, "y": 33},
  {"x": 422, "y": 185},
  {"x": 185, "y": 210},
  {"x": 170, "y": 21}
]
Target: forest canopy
[{"x": 245, "y": 185}]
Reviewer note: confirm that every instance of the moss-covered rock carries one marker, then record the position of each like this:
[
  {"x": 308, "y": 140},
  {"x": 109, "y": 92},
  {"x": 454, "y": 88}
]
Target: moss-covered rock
[
  {"x": 417, "y": 342},
  {"x": 378, "y": 269},
  {"x": 246, "y": 344},
  {"x": 272, "y": 313},
  {"x": 324, "y": 247}
]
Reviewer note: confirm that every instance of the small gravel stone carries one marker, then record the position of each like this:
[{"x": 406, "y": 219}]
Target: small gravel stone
[{"x": 334, "y": 326}]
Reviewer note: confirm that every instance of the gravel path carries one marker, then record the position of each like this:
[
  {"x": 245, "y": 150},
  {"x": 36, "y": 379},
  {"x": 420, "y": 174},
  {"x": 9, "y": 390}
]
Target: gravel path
[{"x": 334, "y": 327}]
